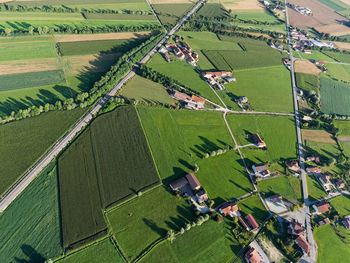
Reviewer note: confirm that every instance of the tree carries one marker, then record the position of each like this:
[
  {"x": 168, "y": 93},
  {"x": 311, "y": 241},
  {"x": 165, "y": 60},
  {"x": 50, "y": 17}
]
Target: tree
[
  {"x": 8, "y": 31},
  {"x": 206, "y": 155},
  {"x": 195, "y": 168},
  {"x": 331, "y": 161},
  {"x": 31, "y": 30},
  {"x": 171, "y": 236},
  {"x": 188, "y": 226},
  {"x": 182, "y": 230}
]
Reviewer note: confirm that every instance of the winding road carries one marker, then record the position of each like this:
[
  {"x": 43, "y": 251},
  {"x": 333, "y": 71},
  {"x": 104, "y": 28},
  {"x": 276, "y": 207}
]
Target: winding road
[{"x": 19, "y": 187}]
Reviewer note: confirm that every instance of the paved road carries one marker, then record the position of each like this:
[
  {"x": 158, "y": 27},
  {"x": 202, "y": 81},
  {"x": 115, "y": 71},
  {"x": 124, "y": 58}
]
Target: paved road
[
  {"x": 63, "y": 142},
  {"x": 312, "y": 257}
]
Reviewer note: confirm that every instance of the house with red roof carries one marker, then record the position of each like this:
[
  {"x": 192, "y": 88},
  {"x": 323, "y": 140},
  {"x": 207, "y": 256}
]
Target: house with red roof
[
  {"x": 314, "y": 170},
  {"x": 259, "y": 142},
  {"x": 228, "y": 209},
  {"x": 251, "y": 221},
  {"x": 303, "y": 244},
  {"x": 252, "y": 256},
  {"x": 321, "y": 207},
  {"x": 193, "y": 181},
  {"x": 296, "y": 229}
]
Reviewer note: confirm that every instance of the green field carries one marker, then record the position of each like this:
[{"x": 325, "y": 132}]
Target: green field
[
  {"x": 287, "y": 186},
  {"x": 143, "y": 220},
  {"x": 98, "y": 46},
  {"x": 170, "y": 13},
  {"x": 277, "y": 132},
  {"x": 253, "y": 205},
  {"x": 335, "y": 97},
  {"x": 104, "y": 152},
  {"x": 316, "y": 55},
  {"x": 211, "y": 242},
  {"x": 246, "y": 43},
  {"x": 30, "y": 227},
  {"x": 344, "y": 130},
  {"x": 103, "y": 251},
  {"x": 212, "y": 11},
  {"x": 185, "y": 74},
  {"x": 99, "y": 16},
  {"x": 338, "y": 56},
  {"x": 31, "y": 79},
  {"x": 237, "y": 60},
  {"x": 307, "y": 81},
  {"x": 324, "y": 150},
  {"x": 330, "y": 247},
  {"x": 37, "y": 134},
  {"x": 315, "y": 190},
  {"x": 142, "y": 89},
  {"x": 337, "y": 5},
  {"x": 338, "y": 71},
  {"x": 267, "y": 89},
  {"x": 224, "y": 177},
  {"x": 254, "y": 16},
  {"x": 341, "y": 204},
  {"x": 179, "y": 138}
]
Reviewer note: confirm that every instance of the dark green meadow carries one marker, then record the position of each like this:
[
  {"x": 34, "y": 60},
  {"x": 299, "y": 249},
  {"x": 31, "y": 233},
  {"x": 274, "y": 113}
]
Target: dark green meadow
[
  {"x": 213, "y": 11},
  {"x": 307, "y": 81},
  {"x": 108, "y": 163},
  {"x": 335, "y": 97},
  {"x": 170, "y": 13},
  {"x": 31, "y": 79},
  {"x": 29, "y": 139}
]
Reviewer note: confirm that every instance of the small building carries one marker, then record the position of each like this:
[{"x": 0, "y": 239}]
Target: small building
[
  {"x": 178, "y": 184},
  {"x": 296, "y": 229},
  {"x": 242, "y": 99},
  {"x": 180, "y": 96},
  {"x": 252, "y": 256},
  {"x": 315, "y": 159},
  {"x": 324, "y": 221},
  {"x": 325, "y": 181},
  {"x": 228, "y": 209},
  {"x": 198, "y": 100},
  {"x": 321, "y": 207},
  {"x": 346, "y": 222},
  {"x": 303, "y": 244},
  {"x": 293, "y": 165},
  {"x": 259, "y": 142},
  {"x": 216, "y": 74},
  {"x": 251, "y": 221},
  {"x": 340, "y": 184},
  {"x": 187, "y": 46},
  {"x": 260, "y": 170},
  {"x": 307, "y": 118},
  {"x": 202, "y": 196},
  {"x": 229, "y": 79},
  {"x": 307, "y": 51},
  {"x": 313, "y": 170},
  {"x": 193, "y": 181},
  {"x": 243, "y": 223}
]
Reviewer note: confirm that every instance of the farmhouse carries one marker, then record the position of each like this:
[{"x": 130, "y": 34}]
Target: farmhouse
[
  {"x": 176, "y": 50},
  {"x": 216, "y": 74},
  {"x": 303, "y": 244},
  {"x": 346, "y": 222},
  {"x": 187, "y": 46},
  {"x": 315, "y": 159},
  {"x": 242, "y": 99},
  {"x": 293, "y": 165},
  {"x": 193, "y": 181},
  {"x": 198, "y": 100},
  {"x": 313, "y": 170},
  {"x": 178, "y": 184},
  {"x": 325, "y": 182},
  {"x": 324, "y": 221},
  {"x": 229, "y": 209},
  {"x": 240, "y": 220},
  {"x": 321, "y": 207},
  {"x": 229, "y": 79},
  {"x": 202, "y": 196},
  {"x": 296, "y": 229},
  {"x": 251, "y": 221},
  {"x": 260, "y": 170},
  {"x": 180, "y": 95},
  {"x": 340, "y": 184},
  {"x": 253, "y": 256},
  {"x": 259, "y": 142}
]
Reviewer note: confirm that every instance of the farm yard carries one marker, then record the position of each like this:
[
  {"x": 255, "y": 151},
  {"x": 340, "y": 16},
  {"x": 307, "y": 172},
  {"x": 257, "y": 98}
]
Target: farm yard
[
  {"x": 143, "y": 220},
  {"x": 335, "y": 97}
]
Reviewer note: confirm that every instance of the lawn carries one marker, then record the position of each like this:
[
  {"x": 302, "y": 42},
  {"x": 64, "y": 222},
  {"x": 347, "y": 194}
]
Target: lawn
[
  {"x": 278, "y": 133},
  {"x": 31, "y": 79},
  {"x": 143, "y": 220},
  {"x": 185, "y": 74},
  {"x": 142, "y": 89},
  {"x": 267, "y": 89},
  {"x": 334, "y": 96},
  {"x": 178, "y": 139},
  {"x": 314, "y": 188},
  {"x": 330, "y": 246},
  {"x": 102, "y": 251},
  {"x": 99, "y": 46},
  {"x": 224, "y": 177},
  {"x": 338, "y": 71},
  {"x": 338, "y": 56},
  {"x": 316, "y": 55},
  {"x": 287, "y": 186},
  {"x": 213, "y": 243},
  {"x": 341, "y": 204},
  {"x": 253, "y": 205},
  {"x": 30, "y": 227},
  {"x": 38, "y": 134},
  {"x": 307, "y": 81}
]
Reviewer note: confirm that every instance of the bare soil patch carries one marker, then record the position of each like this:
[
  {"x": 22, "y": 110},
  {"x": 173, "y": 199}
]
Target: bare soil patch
[
  {"x": 91, "y": 63},
  {"x": 102, "y": 36},
  {"x": 322, "y": 15},
  {"x": 342, "y": 45},
  {"x": 335, "y": 30},
  {"x": 317, "y": 136},
  {"x": 272, "y": 252},
  {"x": 344, "y": 138},
  {"x": 346, "y": 2},
  {"x": 25, "y": 66},
  {"x": 242, "y": 5},
  {"x": 306, "y": 67}
]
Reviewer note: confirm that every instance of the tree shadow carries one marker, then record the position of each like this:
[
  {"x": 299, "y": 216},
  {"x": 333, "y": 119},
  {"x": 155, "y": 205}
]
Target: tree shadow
[
  {"x": 152, "y": 225},
  {"x": 32, "y": 254}
]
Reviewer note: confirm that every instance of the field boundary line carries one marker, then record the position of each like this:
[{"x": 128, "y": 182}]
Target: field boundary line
[{"x": 148, "y": 144}]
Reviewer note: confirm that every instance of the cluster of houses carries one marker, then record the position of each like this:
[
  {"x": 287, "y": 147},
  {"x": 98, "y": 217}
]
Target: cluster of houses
[
  {"x": 301, "y": 9},
  {"x": 303, "y": 43},
  {"x": 190, "y": 102},
  {"x": 214, "y": 78},
  {"x": 323, "y": 179},
  {"x": 274, "y": 5},
  {"x": 279, "y": 47},
  {"x": 231, "y": 209},
  {"x": 260, "y": 170},
  {"x": 182, "y": 50}
]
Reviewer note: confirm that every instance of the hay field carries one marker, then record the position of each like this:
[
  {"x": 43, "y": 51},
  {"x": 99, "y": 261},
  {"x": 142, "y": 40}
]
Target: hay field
[
  {"x": 240, "y": 5},
  {"x": 102, "y": 36},
  {"x": 317, "y": 136},
  {"x": 342, "y": 45},
  {"x": 25, "y": 66},
  {"x": 306, "y": 67}
]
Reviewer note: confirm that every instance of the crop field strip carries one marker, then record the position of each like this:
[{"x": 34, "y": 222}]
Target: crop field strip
[
  {"x": 307, "y": 81},
  {"x": 105, "y": 172}
]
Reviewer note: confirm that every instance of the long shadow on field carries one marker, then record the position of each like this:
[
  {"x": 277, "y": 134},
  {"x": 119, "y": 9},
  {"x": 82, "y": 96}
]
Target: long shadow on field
[
  {"x": 241, "y": 187},
  {"x": 151, "y": 224},
  {"x": 186, "y": 164},
  {"x": 258, "y": 213},
  {"x": 206, "y": 147},
  {"x": 32, "y": 254}
]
